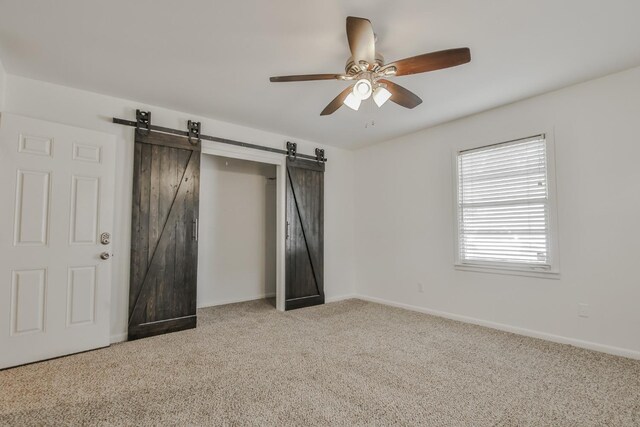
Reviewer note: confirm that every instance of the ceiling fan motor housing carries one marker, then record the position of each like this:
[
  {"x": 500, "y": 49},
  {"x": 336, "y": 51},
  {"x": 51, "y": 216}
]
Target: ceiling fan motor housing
[{"x": 352, "y": 68}]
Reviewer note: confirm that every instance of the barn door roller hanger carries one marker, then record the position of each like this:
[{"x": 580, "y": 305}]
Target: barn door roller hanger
[{"x": 194, "y": 135}]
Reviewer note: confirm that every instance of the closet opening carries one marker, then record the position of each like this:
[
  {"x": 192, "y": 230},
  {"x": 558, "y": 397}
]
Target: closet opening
[{"x": 237, "y": 254}]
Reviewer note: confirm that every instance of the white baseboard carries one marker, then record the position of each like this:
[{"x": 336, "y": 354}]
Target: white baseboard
[
  {"x": 339, "y": 298},
  {"x": 271, "y": 295},
  {"x": 236, "y": 300},
  {"x": 116, "y": 338},
  {"x": 617, "y": 351}
]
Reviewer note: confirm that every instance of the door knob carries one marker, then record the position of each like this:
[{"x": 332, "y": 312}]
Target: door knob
[{"x": 105, "y": 256}]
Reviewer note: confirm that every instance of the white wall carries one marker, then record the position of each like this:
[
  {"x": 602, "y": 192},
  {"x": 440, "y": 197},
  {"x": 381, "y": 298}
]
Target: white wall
[
  {"x": 3, "y": 83},
  {"x": 405, "y": 219},
  {"x": 94, "y": 111},
  {"x": 237, "y": 236}
]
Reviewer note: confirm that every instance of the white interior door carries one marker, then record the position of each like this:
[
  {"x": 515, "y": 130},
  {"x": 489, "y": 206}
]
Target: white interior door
[{"x": 57, "y": 188}]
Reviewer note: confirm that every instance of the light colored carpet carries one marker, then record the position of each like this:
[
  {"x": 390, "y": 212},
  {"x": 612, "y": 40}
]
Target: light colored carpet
[{"x": 346, "y": 363}]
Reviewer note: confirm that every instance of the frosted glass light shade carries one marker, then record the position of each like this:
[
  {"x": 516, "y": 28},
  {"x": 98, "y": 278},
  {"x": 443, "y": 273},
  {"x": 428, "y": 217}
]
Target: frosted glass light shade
[
  {"x": 352, "y": 102},
  {"x": 362, "y": 89},
  {"x": 381, "y": 95}
]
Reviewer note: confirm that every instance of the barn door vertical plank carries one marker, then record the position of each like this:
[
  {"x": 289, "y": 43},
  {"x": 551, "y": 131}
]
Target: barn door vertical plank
[
  {"x": 137, "y": 246},
  {"x": 140, "y": 235},
  {"x": 194, "y": 207}
]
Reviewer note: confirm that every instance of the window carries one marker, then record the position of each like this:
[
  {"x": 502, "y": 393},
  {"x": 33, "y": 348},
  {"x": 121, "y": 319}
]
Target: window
[{"x": 503, "y": 206}]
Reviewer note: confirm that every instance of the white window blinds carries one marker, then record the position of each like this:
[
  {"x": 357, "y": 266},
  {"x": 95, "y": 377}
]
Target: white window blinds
[{"x": 503, "y": 204}]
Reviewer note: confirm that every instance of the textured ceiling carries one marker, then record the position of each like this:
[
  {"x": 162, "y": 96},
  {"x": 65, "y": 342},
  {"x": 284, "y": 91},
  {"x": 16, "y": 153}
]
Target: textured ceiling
[{"x": 214, "y": 58}]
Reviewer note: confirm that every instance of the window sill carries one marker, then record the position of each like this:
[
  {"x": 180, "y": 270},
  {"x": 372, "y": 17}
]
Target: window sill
[{"x": 543, "y": 274}]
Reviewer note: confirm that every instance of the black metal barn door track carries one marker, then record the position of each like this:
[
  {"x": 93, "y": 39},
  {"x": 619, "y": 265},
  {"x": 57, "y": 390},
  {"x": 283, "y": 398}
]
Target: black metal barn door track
[{"x": 143, "y": 124}]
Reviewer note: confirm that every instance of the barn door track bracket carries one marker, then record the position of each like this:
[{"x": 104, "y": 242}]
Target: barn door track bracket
[
  {"x": 193, "y": 128},
  {"x": 292, "y": 150},
  {"x": 320, "y": 158},
  {"x": 143, "y": 121}
]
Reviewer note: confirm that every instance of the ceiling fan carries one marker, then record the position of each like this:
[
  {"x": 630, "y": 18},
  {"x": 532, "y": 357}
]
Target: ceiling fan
[{"x": 367, "y": 68}]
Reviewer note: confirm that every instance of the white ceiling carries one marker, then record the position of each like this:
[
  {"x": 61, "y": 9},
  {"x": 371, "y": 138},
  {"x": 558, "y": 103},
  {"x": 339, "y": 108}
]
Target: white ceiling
[{"x": 214, "y": 58}]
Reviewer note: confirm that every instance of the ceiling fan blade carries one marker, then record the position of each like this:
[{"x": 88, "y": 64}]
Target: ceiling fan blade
[
  {"x": 337, "y": 102},
  {"x": 362, "y": 41},
  {"x": 431, "y": 61},
  {"x": 305, "y": 77},
  {"x": 402, "y": 96}
]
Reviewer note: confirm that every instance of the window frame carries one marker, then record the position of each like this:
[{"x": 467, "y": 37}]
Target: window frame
[{"x": 552, "y": 272}]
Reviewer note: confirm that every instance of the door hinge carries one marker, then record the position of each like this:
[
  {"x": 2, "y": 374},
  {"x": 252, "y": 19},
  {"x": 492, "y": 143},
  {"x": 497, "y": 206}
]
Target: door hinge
[{"x": 287, "y": 232}]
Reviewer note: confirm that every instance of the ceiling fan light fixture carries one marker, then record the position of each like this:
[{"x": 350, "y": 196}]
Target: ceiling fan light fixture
[
  {"x": 352, "y": 102},
  {"x": 362, "y": 89},
  {"x": 381, "y": 95}
]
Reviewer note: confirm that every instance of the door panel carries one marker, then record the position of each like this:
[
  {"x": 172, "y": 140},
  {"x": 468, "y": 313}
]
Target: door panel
[
  {"x": 54, "y": 288},
  {"x": 164, "y": 246},
  {"x": 85, "y": 203},
  {"x": 31, "y": 226},
  {"x": 27, "y": 305},
  {"x": 305, "y": 234},
  {"x": 81, "y": 293}
]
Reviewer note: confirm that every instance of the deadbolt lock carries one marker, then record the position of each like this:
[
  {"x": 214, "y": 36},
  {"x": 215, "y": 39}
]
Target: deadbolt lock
[{"x": 105, "y": 238}]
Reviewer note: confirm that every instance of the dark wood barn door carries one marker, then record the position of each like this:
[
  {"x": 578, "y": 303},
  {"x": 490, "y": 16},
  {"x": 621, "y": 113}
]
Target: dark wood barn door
[
  {"x": 164, "y": 240},
  {"x": 305, "y": 234}
]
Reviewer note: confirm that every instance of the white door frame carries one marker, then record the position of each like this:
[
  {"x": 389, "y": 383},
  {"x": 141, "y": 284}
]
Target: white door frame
[{"x": 279, "y": 160}]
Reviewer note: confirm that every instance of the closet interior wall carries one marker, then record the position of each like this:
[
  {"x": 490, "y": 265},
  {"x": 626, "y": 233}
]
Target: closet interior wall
[{"x": 237, "y": 236}]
